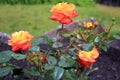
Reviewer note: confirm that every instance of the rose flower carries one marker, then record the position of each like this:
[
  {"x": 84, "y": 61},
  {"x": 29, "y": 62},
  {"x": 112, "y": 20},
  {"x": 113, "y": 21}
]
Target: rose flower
[
  {"x": 20, "y": 40},
  {"x": 87, "y": 58},
  {"x": 63, "y": 12},
  {"x": 89, "y": 25}
]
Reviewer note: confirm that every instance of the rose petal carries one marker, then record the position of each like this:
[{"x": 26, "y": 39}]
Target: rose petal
[
  {"x": 25, "y": 47},
  {"x": 57, "y": 16},
  {"x": 15, "y": 48},
  {"x": 65, "y": 20}
]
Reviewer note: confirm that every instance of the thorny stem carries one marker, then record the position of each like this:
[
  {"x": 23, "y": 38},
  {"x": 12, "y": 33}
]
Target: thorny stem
[{"x": 83, "y": 37}]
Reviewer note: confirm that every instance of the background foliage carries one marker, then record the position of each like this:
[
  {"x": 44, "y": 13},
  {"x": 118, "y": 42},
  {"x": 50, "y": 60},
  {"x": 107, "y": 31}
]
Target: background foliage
[{"x": 77, "y": 2}]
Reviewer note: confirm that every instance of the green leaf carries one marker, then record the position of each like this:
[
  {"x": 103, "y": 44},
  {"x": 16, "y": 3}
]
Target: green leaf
[
  {"x": 48, "y": 40},
  {"x": 90, "y": 38},
  {"x": 71, "y": 75},
  {"x": 52, "y": 60},
  {"x": 104, "y": 47},
  {"x": 48, "y": 66},
  {"x": 65, "y": 33},
  {"x": 34, "y": 48},
  {"x": 71, "y": 50},
  {"x": 18, "y": 56},
  {"x": 83, "y": 78},
  {"x": 97, "y": 39},
  {"x": 32, "y": 72},
  {"x": 57, "y": 45},
  {"x": 66, "y": 62},
  {"x": 87, "y": 47},
  {"x": 78, "y": 36},
  {"x": 58, "y": 73},
  {"x": 52, "y": 52},
  {"x": 74, "y": 33},
  {"x": 5, "y": 71},
  {"x": 5, "y": 56},
  {"x": 101, "y": 35},
  {"x": 117, "y": 37},
  {"x": 47, "y": 76},
  {"x": 37, "y": 41}
]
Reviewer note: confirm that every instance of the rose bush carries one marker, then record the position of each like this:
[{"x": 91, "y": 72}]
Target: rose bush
[{"x": 57, "y": 61}]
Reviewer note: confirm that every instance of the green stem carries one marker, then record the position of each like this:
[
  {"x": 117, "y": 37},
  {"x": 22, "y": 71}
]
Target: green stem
[
  {"x": 70, "y": 44},
  {"x": 62, "y": 26},
  {"x": 83, "y": 37},
  {"x": 76, "y": 47},
  {"x": 110, "y": 28},
  {"x": 58, "y": 33},
  {"x": 13, "y": 65}
]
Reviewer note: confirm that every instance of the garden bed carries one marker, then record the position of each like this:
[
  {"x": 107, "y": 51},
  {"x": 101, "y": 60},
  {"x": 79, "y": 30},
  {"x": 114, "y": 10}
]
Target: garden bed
[{"x": 108, "y": 62}]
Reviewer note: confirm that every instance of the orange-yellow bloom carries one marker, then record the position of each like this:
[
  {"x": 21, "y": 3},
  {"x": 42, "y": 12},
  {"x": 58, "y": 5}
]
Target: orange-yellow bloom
[
  {"x": 89, "y": 25},
  {"x": 20, "y": 40},
  {"x": 63, "y": 12},
  {"x": 87, "y": 58}
]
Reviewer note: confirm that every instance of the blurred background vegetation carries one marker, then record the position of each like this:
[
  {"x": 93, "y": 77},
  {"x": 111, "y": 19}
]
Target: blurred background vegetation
[
  {"x": 76, "y": 2},
  {"x": 33, "y": 15}
]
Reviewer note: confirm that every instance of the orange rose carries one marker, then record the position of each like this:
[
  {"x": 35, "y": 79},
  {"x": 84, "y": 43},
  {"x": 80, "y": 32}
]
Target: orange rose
[
  {"x": 87, "y": 58},
  {"x": 89, "y": 25},
  {"x": 20, "y": 40},
  {"x": 63, "y": 12}
]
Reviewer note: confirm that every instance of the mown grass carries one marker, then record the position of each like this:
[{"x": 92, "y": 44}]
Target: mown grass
[
  {"x": 103, "y": 14},
  {"x": 35, "y": 18}
]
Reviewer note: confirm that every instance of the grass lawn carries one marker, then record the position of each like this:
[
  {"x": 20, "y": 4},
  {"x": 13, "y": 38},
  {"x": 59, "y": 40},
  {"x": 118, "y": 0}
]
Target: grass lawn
[{"x": 35, "y": 18}]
